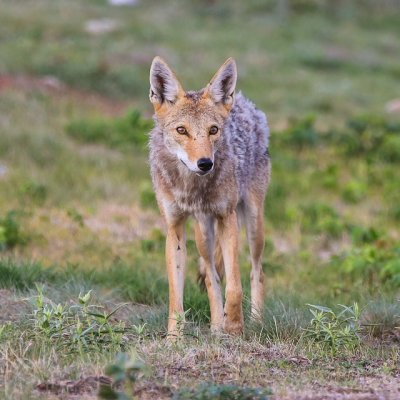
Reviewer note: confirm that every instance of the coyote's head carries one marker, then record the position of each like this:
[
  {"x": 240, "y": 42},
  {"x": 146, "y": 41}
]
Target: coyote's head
[{"x": 192, "y": 122}]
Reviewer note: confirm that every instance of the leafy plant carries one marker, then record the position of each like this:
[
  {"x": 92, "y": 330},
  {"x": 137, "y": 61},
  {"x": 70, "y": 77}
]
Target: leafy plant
[
  {"x": 390, "y": 149},
  {"x": 301, "y": 134},
  {"x": 10, "y": 232},
  {"x": 77, "y": 328},
  {"x": 125, "y": 371},
  {"x": 208, "y": 391},
  {"x": 321, "y": 218},
  {"x": 354, "y": 192},
  {"x": 372, "y": 136},
  {"x": 371, "y": 263},
  {"x": 332, "y": 330}
]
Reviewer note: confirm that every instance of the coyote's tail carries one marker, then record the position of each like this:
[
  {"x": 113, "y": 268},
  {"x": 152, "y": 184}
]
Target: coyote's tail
[{"x": 219, "y": 266}]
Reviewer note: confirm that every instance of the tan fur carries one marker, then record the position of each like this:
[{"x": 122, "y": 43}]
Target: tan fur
[{"x": 214, "y": 199}]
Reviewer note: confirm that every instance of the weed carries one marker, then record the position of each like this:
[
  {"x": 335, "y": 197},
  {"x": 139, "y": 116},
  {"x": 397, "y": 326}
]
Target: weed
[
  {"x": 10, "y": 232},
  {"x": 301, "y": 134},
  {"x": 77, "y": 328},
  {"x": 354, "y": 192},
  {"x": 360, "y": 234},
  {"x": 332, "y": 330},
  {"x": 390, "y": 149},
  {"x": 372, "y": 136},
  {"x": 180, "y": 320},
  {"x": 322, "y": 218},
  {"x": 75, "y": 216},
  {"x": 371, "y": 263}
]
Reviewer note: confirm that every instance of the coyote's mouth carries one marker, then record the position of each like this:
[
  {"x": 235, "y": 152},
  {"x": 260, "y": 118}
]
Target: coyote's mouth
[{"x": 202, "y": 173}]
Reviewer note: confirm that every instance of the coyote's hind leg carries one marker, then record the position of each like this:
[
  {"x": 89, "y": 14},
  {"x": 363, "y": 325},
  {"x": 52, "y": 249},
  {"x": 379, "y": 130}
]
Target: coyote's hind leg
[{"x": 254, "y": 222}]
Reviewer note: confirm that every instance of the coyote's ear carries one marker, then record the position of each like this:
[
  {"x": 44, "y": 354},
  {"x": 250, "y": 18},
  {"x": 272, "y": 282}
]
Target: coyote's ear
[
  {"x": 221, "y": 88},
  {"x": 164, "y": 86}
]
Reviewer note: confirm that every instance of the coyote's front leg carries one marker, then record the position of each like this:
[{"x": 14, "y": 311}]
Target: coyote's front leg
[
  {"x": 228, "y": 238},
  {"x": 176, "y": 266}
]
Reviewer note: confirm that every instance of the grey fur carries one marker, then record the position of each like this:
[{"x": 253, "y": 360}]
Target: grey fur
[{"x": 241, "y": 161}]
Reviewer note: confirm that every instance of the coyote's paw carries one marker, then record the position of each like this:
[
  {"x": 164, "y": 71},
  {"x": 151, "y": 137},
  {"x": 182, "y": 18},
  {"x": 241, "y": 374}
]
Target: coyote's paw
[{"x": 233, "y": 326}]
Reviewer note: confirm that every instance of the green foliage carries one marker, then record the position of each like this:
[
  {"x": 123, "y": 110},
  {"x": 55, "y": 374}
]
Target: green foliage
[
  {"x": 147, "y": 195},
  {"x": 334, "y": 331},
  {"x": 207, "y": 391},
  {"x": 371, "y": 263},
  {"x": 125, "y": 370},
  {"x": 370, "y": 136},
  {"x": 75, "y": 216},
  {"x": 390, "y": 148},
  {"x": 330, "y": 176},
  {"x": 76, "y": 328},
  {"x": 354, "y": 192},
  {"x": 129, "y": 130},
  {"x": 301, "y": 134},
  {"x": 32, "y": 192},
  {"x": 156, "y": 242},
  {"x": 321, "y": 218},
  {"x": 360, "y": 234},
  {"x": 10, "y": 232}
]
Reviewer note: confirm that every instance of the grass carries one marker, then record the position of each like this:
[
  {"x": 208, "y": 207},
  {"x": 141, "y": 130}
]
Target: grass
[{"x": 78, "y": 213}]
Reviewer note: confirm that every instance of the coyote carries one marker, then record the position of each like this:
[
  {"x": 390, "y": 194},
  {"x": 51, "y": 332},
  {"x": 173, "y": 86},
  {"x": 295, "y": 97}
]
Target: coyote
[{"x": 209, "y": 159}]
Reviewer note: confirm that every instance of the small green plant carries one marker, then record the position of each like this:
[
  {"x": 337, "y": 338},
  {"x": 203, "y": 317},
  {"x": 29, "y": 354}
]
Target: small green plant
[
  {"x": 334, "y": 331},
  {"x": 125, "y": 370},
  {"x": 75, "y": 216},
  {"x": 371, "y": 263},
  {"x": 139, "y": 329},
  {"x": 10, "y": 232},
  {"x": 302, "y": 133},
  {"x": 321, "y": 218},
  {"x": 76, "y": 328},
  {"x": 207, "y": 391},
  {"x": 360, "y": 234},
  {"x": 370, "y": 136},
  {"x": 4, "y": 329},
  {"x": 180, "y": 321},
  {"x": 390, "y": 149},
  {"x": 354, "y": 192}
]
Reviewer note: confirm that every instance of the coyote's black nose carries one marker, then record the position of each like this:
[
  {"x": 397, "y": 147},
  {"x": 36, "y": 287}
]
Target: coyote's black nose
[{"x": 205, "y": 164}]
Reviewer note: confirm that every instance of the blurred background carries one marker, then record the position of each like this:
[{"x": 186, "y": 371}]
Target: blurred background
[
  {"x": 78, "y": 212},
  {"x": 75, "y": 188}
]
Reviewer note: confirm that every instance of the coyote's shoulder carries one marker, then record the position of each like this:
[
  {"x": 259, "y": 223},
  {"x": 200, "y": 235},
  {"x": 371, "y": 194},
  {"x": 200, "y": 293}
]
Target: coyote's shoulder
[{"x": 242, "y": 150}]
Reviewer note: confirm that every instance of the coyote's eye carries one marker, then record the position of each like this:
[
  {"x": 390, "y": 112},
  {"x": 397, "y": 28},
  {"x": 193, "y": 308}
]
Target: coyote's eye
[
  {"x": 181, "y": 130},
  {"x": 213, "y": 130}
]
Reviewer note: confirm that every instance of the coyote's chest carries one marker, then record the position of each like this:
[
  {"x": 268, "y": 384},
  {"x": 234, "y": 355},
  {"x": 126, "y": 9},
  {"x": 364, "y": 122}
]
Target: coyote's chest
[
  {"x": 205, "y": 195},
  {"x": 215, "y": 193}
]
